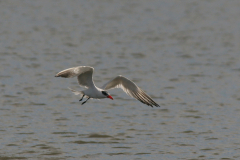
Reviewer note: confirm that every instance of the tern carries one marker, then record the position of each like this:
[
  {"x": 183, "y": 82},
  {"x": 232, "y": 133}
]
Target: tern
[{"x": 84, "y": 75}]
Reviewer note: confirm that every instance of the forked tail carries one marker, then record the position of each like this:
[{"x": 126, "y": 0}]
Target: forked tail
[{"x": 76, "y": 92}]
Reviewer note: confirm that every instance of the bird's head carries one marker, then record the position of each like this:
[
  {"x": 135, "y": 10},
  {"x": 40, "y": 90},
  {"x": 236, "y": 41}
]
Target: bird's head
[{"x": 105, "y": 93}]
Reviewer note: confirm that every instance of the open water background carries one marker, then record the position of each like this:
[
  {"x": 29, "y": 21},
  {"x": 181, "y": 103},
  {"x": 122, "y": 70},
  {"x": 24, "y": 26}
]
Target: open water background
[{"x": 184, "y": 54}]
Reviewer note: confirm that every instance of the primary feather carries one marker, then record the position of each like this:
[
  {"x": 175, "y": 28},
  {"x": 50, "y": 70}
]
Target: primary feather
[{"x": 131, "y": 89}]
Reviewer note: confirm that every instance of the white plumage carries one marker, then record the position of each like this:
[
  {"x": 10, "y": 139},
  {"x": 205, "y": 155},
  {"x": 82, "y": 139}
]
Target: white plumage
[{"x": 84, "y": 75}]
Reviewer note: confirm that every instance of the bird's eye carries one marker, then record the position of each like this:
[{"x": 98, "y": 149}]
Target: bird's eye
[{"x": 104, "y": 93}]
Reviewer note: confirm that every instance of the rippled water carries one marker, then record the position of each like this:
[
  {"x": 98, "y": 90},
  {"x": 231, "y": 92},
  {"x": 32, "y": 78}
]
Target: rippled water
[{"x": 184, "y": 54}]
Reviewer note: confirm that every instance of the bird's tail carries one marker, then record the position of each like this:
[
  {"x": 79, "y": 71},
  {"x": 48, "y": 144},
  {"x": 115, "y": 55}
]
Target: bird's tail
[{"x": 76, "y": 92}]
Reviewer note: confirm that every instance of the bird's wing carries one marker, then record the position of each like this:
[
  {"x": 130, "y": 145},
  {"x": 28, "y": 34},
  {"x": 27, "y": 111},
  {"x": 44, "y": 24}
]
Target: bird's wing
[
  {"x": 131, "y": 89},
  {"x": 83, "y": 73}
]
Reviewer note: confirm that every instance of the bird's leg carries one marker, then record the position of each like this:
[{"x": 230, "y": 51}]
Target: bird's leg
[
  {"x": 81, "y": 98},
  {"x": 86, "y": 100}
]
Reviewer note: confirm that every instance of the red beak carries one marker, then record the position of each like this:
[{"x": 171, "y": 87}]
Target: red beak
[{"x": 110, "y": 97}]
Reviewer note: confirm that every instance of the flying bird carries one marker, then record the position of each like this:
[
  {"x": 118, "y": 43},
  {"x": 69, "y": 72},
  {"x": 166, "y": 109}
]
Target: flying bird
[{"x": 84, "y": 75}]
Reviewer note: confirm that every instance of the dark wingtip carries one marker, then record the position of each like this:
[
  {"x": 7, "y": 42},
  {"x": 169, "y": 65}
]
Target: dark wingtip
[{"x": 157, "y": 105}]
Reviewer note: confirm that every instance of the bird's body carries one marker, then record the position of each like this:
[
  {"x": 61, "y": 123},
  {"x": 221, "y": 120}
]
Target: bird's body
[
  {"x": 94, "y": 92},
  {"x": 84, "y": 75}
]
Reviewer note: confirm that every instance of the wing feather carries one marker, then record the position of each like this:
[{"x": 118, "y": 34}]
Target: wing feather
[
  {"x": 83, "y": 73},
  {"x": 131, "y": 89}
]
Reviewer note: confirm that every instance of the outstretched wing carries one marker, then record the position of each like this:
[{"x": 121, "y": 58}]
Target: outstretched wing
[
  {"x": 131, "y": 89},
  {"x": 83, "y": 73}
]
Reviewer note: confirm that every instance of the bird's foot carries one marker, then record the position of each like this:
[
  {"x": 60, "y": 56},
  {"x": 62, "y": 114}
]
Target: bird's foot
[
  {"x": 86, "y": 100},
  {"x": 81, "y": 98}
]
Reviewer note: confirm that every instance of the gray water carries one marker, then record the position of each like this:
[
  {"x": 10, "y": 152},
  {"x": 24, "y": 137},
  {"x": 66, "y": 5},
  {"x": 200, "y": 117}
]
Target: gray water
[{"x": 184, "y": 54}]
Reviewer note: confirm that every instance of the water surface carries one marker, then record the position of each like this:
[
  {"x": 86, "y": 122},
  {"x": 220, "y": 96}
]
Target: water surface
[{"x": 184, "y": 54}]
